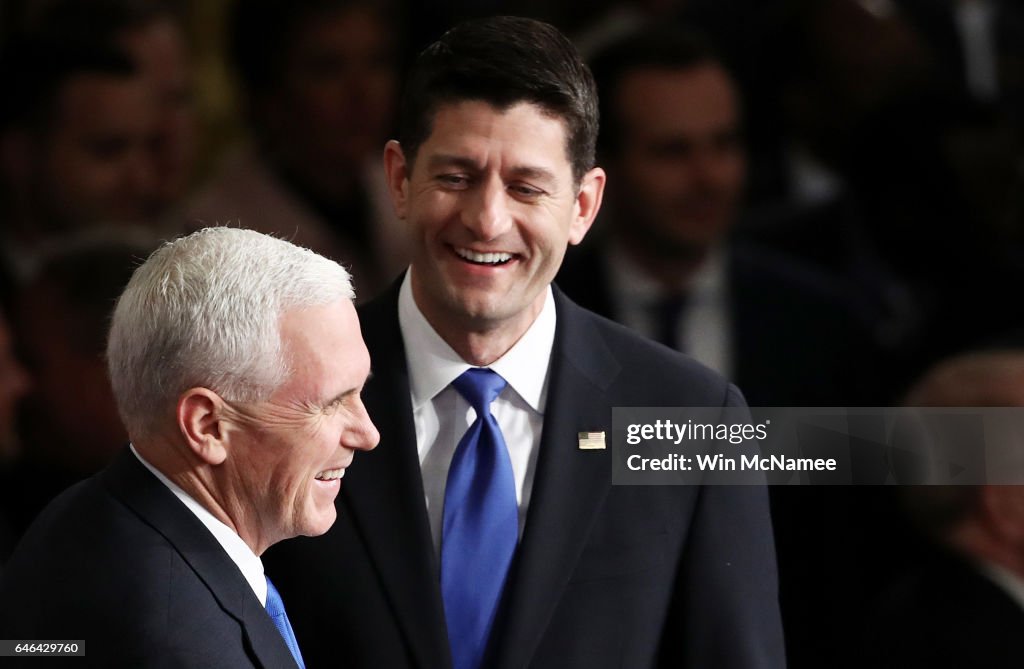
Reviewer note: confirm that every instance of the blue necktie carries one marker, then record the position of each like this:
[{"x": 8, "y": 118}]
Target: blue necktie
[
  {"x": 275, "y": 608},
  {"x": 481, "y": 523}
]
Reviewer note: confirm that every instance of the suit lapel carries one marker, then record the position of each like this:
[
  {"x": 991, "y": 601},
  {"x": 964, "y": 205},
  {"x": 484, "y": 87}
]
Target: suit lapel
[
  {"x": 137, "y": 488},
  {"x": 569, "y": 486},
  {"x": 385, "y": 494}
]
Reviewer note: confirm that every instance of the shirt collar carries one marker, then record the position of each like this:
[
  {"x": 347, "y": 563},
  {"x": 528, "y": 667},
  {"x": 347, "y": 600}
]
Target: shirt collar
[
  {"x": 248, "y": 562},
  {"x": 435, "y": 364},
  {"x": 633, "y": 286}
]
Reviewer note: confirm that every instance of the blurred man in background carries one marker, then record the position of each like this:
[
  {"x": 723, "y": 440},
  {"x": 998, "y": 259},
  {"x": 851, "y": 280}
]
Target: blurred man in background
[
  {"x": 318, "y": 89},
  {"x": 75, "y": 136},
  {"x": 962, "y": 604},
  {"x": 151, "y": 34},
  {"x": 68, "y": 424},
  {"x": 666, "y": 266}
]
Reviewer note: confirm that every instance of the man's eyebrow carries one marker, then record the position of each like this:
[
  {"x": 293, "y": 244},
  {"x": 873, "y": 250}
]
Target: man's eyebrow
[
  {"x": 533, "y": 173},
  {"x": 347, "y": 393},
  {"x": 462, "y": 162},
  {"x": 452, "y": 160},
  {"x": 337, "y": 399}
]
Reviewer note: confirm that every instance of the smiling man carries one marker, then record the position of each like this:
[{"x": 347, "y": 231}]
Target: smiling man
[
  {"x": 482, "y": 533},
  {"x": 237, "y": 364}
]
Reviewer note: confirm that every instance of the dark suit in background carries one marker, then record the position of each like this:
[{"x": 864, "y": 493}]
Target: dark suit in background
[
  {"x": 604, "y": 576},
  {"x": 796, "y": 338},
  {"x": 119, "y": 562},
  {"x": 946, "y": 615}
]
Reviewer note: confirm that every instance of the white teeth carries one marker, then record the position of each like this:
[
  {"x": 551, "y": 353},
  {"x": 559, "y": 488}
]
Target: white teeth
[
  {"x": 330, "y": 474},
  {"x": 486, "y": 258}
]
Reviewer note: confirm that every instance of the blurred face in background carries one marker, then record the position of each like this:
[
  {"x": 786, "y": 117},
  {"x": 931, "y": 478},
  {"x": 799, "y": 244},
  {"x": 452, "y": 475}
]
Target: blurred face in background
[
  {"x": 160, "y": 53},
  {"x": 677, "y": 181},
  {"x": 335, "y": 104},
  {"x": 70, "y": 418},
  {"x": 94, "y": 164}
]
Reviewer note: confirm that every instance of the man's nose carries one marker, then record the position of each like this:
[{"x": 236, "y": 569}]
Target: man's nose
[
  {"x": 363, "y": 436},
  {"x": 488, "y": 215}
]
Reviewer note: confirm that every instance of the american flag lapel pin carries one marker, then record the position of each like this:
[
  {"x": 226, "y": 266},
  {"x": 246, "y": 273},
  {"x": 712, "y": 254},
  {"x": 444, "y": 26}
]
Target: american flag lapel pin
[{"x": 591, "y": 441}]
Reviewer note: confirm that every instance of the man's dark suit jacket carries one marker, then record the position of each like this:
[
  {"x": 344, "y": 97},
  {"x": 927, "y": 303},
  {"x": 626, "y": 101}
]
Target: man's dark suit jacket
[
  {"x": 604, "y": 576},
  {"x": 119, "y": 562},
  {"x": 945, "y": 615}
]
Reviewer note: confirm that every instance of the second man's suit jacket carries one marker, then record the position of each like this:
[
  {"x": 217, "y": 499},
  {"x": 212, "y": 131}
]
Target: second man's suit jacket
[{"x": 604, "y": 576}]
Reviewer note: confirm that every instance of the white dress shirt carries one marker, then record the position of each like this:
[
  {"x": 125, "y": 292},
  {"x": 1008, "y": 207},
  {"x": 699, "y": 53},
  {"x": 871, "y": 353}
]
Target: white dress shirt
[
  {"x": 442, "y": 416},
  {"x": 976, "y": 24},
  {"x": 1009, "y": 582},
  {"x": 248, "y": 562},
  {"x": 705, "y": 324}
]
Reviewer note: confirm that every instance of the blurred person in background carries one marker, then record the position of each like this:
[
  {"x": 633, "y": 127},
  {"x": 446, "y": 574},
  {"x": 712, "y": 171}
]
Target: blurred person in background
[
  {"x": 318, "y": 83},
  {"x": 75, "y": 135},
  {"x": 68, "y": 424},
  {"x": 667, "y": 266},
  {"x": 151, "y": 34},
  {"x": 962, "y": 603},
  {"x": 878, "y": 169}
]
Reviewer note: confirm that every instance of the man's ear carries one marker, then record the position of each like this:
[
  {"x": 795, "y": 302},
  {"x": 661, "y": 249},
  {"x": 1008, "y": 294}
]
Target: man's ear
[
  {"x": 588, "y": 203},
  {"x": 396, "y": 171},
  {"x": 202, "y": 422}
]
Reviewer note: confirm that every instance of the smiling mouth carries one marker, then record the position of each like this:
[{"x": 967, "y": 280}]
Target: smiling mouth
[
  {"x": 493, "y": 259},
  {"x": 331, "y": 474}
]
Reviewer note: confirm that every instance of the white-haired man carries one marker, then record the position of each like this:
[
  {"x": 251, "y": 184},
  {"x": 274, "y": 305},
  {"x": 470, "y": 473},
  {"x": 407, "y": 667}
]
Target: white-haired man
[{"x": 237, "y": 364}]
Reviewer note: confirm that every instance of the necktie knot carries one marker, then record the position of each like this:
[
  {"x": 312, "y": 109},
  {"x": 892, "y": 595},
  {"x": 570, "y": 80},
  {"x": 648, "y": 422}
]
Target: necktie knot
[{"x": 480, "y": 386}]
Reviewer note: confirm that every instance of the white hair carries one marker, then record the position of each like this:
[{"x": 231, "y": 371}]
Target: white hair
[{"x": 204, "y": 311}]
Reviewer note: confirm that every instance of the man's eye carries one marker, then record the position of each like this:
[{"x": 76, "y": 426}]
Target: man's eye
[
  {"x": 332, "y": 407},
  {"x": 453, "y": 180},
  {"x": 524, "y": 191}
]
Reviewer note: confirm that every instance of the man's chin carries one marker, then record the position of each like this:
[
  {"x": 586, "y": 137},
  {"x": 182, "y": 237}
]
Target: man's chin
[
  {"x": 321, "y": 524},
  {"x": 477, "y": 306}
]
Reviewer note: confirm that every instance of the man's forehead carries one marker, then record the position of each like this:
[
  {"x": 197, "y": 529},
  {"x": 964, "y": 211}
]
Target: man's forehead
[
  {"x": 324, "y": 351},
  {"x": 457, "y": 128},
  {"x": 94, "y": 97}
]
